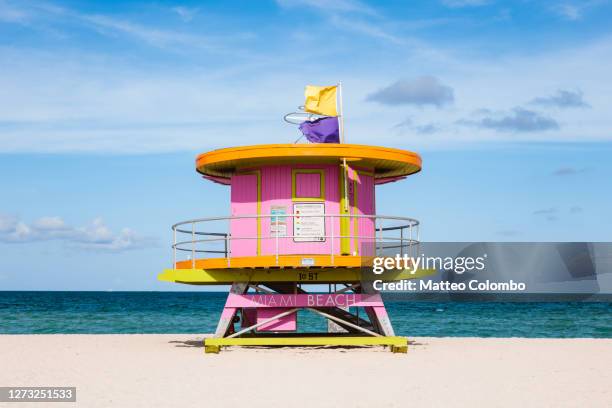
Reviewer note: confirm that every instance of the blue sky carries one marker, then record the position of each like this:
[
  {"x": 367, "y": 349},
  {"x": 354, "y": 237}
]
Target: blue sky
[{"x": 104, "y": 105}]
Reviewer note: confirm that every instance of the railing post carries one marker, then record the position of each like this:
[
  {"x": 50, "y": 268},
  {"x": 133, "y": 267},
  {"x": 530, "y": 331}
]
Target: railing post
[
  {"x": 380, "y": 239},
  {"x": 276, "y": 232},
  {"x": 402, "y": 242},
  {"x": 418, "y": 238},
  {"x": 379, "y": 229},
  {"x": 193, "y": 245},
  {"x": 174, "y": 247},
  {"x": 410, "y": 231},
  {"x": 332, "y": 239},
  {"x": 228, "y": 247}
]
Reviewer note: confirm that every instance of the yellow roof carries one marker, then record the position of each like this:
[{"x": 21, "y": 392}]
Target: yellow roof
[{"x": 386, "y": 162}]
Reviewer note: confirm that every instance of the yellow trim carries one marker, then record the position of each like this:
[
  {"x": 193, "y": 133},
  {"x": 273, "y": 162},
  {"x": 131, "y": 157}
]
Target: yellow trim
[
  {"x": 258, "y": 174},
  {"x": 365, "y": 172},
  {"x": 386, "y": 162},
  {"x": 398, "y": 344},
  {"x": 321, "y": 173},
  {"x": 345, "y": 222},
  {"x": 356, "y": 219},
  {"x": 269, "y": 261},
  {"x": 302, "y": 275}
]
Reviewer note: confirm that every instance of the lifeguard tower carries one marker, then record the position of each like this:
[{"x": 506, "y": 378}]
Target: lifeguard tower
[
  {"x": 301, "y": 235},
  {"x": 298, "y": 218}
]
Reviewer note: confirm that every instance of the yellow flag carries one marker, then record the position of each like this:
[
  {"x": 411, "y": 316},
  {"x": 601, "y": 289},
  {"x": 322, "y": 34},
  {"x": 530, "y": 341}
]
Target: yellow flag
[{"x": 321, "y": 100}]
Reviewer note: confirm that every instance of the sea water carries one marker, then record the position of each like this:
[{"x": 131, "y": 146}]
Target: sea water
[{"x": 198, "y": 313}]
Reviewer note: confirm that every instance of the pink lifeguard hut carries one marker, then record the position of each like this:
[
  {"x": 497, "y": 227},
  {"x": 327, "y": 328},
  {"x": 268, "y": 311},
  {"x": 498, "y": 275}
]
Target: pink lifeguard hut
[{"x": 301, "y": 234}]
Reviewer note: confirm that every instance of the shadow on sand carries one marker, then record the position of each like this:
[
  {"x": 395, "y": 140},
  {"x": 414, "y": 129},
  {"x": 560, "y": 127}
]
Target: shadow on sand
[{"x": 188, "y": 343}]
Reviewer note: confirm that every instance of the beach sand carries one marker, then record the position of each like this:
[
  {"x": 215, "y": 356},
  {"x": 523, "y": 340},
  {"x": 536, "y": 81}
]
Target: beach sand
[{"x": 172, "y": 370}]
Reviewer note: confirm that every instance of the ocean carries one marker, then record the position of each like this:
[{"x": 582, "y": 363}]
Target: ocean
[{"x": 198, "y": 312}]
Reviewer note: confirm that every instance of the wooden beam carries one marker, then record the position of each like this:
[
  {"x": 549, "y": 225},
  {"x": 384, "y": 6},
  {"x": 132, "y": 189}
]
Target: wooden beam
[{"x": 227, "y": 316}]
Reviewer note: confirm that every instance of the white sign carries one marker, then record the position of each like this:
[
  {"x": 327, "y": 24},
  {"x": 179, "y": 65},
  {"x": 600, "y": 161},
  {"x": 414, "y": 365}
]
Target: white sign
[
  {"x": 308, "y": 262},
  {"x": 308, "y": 229},
  {"x": 278, "y": 223}
]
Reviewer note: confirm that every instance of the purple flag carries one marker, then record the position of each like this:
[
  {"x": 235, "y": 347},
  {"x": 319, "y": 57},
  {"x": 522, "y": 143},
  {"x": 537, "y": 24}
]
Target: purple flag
[{"x": 324, "y": 130}]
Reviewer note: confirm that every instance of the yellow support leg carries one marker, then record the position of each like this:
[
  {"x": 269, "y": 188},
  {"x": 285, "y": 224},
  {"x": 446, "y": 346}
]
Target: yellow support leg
[
  {"x": 211, "y": 349},
  {"x": 397, "y": 344}
]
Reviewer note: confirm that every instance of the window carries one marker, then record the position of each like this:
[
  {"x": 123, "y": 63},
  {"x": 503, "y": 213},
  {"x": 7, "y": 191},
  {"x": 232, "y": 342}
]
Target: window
[{"x": 307, "y": 185}]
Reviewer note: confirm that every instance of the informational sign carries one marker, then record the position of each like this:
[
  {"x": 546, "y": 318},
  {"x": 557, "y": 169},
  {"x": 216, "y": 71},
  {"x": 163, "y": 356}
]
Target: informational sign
[
  {"x": 278, "y": 223},
  {"x": 311, "y": 228}
]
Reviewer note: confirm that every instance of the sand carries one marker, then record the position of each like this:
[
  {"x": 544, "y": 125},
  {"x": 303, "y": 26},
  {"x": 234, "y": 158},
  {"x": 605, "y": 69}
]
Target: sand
[{"x": 172, "y": 370}]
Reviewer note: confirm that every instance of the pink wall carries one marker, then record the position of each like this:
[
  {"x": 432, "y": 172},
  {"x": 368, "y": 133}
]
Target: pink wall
[
  {"x": 365, "y": 206},
  {"x": 276, "y": 193},
  {"x": 244, "y": 202}
]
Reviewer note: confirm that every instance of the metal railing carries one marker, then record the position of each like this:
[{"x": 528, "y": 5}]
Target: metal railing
[{"x": 387, "y": 233}]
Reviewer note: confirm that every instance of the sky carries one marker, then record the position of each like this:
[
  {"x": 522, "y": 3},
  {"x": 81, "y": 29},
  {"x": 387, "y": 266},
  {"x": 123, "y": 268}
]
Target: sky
[{"x": 104, "y": 106}]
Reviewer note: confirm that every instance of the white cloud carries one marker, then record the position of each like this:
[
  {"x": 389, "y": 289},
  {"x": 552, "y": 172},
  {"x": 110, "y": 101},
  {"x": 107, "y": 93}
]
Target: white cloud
[
  {"x": 465, "y": 3},
  {"x": 349, "y": 15},
  {"x": 576, "y": 209},
  {"x": 568, "y": 171},
  {"x": 8, "y": 223},
  {"x": 152, "y": 36},
  {"x": 11, "y": 14},
  {"x": 367, "y": 28},
  {"x": 421, "y": 91},
  {"x": 575, "y": 10},
  {"x": 83, "y": 101},
  {"x": 568, "y": 11},
  {"x": 98, "y": 236},
  {"x": 328, "y": 6},
  {"x": 21, "y": 232},
  {"x": 517, "y": 120},
  {"x": 186, "y": 13},
  {"x": 562, "y": 99},
  {"x": 550, "y": 214},
  {"x": 50, "y": 224},
  {"x": 49, "y": 16},
  {"x": 95, "y": 236},
  {"x": 96, "y": 233},
  {"x": 90, "y": 104}
]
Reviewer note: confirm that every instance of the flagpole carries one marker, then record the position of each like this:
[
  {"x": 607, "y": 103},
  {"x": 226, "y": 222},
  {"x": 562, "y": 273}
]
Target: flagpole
[
  {"x": 341, "y": 124},
  {"x": 341, "y": 113}
]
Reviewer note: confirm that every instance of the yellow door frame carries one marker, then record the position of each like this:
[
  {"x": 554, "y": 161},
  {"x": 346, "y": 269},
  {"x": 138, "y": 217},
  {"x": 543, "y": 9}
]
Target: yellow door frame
[
  {"x": 345, "y": 222},
  {"x": 295, "y": 172}
]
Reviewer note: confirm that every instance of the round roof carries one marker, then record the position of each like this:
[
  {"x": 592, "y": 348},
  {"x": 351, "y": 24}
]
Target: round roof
[{"x": 386, "y": 162}]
